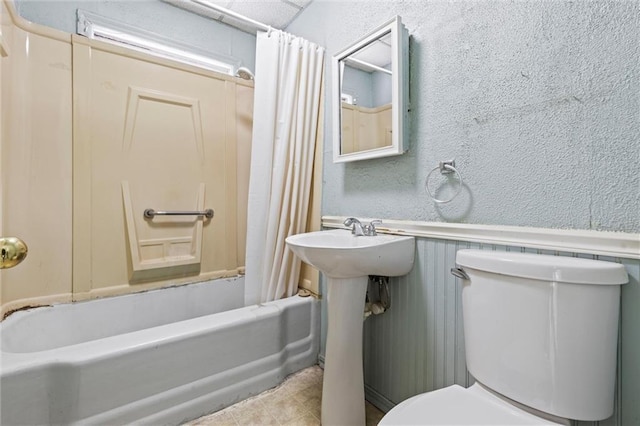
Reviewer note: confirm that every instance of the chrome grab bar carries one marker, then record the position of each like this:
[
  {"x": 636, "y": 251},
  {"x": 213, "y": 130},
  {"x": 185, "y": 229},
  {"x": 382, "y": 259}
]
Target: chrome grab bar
[{"x": 150, "y": 213}]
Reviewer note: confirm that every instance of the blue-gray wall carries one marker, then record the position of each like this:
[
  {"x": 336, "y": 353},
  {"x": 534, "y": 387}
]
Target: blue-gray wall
[
  {"x": 204, "y": 35},
  {"x": 358, "y": 84},
  {"x": 539, "y": 104},
  {"x": 537, "y": 100},
  {"x": 382, "y": 90}
]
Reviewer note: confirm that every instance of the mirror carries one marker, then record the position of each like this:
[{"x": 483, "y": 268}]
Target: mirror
[{"x": 370, "y": 88}]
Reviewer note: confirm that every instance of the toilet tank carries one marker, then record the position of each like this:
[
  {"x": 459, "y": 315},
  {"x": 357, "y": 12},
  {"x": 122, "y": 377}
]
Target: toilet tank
[{"x": 543, "y": 330}]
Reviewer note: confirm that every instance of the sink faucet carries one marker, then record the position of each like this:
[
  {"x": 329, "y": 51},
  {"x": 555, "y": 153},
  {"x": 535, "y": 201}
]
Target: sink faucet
[
  {"x": 370, "y": 229},
  {"x": 358, "y": 229},
  {"x": 356, "y": 226}
]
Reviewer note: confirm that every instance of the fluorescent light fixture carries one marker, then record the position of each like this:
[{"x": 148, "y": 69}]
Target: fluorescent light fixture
[{"x": 104, "y": 29}]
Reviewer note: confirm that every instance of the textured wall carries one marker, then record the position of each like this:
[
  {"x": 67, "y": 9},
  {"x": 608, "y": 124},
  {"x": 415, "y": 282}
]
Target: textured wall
[
  {"x": 537, "y": 101},
  {"x": 150, "y": 15}
]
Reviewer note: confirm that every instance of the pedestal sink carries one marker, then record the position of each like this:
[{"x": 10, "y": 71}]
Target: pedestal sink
[{"x": 347, "y": 260}]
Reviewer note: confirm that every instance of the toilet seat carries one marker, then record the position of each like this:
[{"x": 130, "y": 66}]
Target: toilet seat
[{"x": 455, "y": 405}]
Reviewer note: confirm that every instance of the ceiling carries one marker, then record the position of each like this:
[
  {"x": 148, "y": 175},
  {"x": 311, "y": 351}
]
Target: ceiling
[
  {"x": 377, "y": 52},
  {"x": 276, "y": 13}
]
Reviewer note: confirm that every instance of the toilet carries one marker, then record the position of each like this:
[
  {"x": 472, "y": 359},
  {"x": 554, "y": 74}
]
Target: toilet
[{"x": 540, "y": 340}]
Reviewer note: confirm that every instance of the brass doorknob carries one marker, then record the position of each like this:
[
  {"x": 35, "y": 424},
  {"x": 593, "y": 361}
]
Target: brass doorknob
[{"x": 12, "y": 251}]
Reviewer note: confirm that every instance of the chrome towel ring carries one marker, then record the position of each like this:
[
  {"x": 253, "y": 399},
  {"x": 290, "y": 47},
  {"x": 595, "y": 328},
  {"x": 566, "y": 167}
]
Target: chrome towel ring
[{"x": 445, "y": 167}]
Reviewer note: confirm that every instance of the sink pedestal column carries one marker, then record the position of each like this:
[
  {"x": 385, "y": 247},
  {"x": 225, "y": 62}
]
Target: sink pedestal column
[{"x": 343, "y": 385}]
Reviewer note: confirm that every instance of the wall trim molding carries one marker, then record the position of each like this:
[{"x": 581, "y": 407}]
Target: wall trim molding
[
  {"x": 377, "y": 399},
  {"x": 614, "y": 244}
]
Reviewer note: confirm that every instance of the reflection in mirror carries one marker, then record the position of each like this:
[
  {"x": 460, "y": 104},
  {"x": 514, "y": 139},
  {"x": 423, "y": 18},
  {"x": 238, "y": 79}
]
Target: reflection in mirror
[
  {"x": 369, "y": 80},
  {"x": 366, "y": 97}
]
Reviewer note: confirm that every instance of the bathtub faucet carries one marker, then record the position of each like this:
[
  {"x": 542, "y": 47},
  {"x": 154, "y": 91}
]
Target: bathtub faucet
[{"x": 358, "y": 229}]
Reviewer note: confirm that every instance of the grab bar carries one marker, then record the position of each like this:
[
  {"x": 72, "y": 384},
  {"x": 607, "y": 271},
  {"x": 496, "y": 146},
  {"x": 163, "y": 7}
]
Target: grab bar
[{"x": 150, "y": 213}]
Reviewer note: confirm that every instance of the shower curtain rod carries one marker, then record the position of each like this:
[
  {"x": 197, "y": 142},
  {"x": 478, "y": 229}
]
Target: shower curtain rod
[{"x": 232, "y": 14}]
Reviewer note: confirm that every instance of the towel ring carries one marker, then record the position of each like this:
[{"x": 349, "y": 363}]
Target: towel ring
[{"x": 445, "y": 167}]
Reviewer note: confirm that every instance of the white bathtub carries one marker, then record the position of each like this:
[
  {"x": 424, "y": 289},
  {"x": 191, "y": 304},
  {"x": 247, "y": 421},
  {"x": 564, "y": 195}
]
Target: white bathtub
[{"x": 160, "y": 357}]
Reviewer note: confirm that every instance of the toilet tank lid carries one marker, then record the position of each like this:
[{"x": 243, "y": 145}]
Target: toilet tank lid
[{"x": 544, "y": 267}]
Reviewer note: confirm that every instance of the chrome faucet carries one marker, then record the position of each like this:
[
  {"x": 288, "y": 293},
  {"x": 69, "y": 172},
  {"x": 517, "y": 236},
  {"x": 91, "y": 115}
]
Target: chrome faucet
[
  {"x": 358, "y": 229},
  {"x": 370, "y": 229},
  {"x": 356, "y": 226}
]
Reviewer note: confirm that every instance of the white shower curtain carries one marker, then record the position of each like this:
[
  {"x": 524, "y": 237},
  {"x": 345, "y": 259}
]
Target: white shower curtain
[{"x": 288, "y": 81}]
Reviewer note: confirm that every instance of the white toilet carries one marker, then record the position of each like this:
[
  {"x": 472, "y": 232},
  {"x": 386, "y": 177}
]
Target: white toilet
[{"x": 540, "y": 339}]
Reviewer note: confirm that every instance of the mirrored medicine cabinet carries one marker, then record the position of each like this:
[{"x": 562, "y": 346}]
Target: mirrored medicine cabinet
[{"x": 370, "y": 95}]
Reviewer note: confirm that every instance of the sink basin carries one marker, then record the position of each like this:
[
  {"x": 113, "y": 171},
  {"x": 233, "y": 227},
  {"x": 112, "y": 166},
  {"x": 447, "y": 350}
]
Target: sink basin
[
  {"x": 346, "y": 261},
  {"x": 340, "y": 254}
]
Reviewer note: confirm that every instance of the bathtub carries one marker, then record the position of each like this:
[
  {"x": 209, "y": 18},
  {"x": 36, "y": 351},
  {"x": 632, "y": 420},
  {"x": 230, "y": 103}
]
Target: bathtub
[{"x": 160, "y": 357}]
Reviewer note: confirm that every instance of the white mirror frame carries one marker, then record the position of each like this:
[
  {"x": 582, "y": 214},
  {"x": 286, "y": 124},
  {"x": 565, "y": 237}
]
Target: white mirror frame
[{"x": 399, "y": 96}]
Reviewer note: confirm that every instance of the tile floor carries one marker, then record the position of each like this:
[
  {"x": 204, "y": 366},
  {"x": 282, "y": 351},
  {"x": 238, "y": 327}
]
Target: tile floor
[{"x": 295, "y": 402}]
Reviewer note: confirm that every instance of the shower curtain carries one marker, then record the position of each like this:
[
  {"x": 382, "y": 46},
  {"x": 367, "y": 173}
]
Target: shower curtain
[{"x": 286, "y": 109}]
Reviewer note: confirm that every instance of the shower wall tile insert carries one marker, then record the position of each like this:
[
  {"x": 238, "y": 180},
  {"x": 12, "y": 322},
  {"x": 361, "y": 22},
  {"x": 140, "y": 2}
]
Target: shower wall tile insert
[{"x": 141, "y": 141}]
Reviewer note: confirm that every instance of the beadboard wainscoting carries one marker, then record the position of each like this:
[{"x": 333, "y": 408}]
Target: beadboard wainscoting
[{"x": 418, "y": 344}]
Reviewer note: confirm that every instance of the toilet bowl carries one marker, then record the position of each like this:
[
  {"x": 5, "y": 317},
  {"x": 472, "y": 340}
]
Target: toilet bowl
[
  {"x": 455, "y": 405},
  {"x": 540, "y": 340}
]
